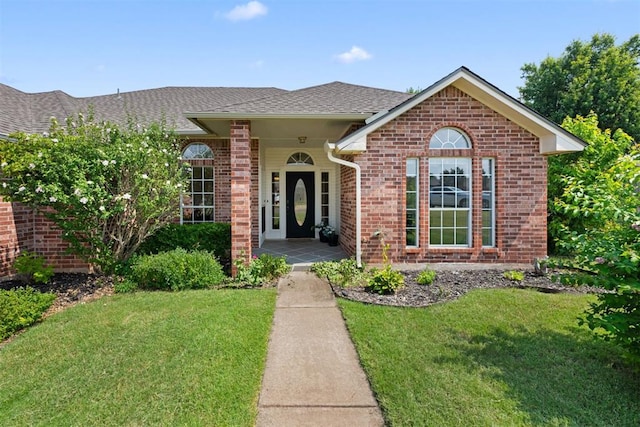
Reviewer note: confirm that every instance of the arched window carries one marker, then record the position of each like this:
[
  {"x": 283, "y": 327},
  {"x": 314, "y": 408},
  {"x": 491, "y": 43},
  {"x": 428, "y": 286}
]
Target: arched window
[
  {"x": 198, "y": 204},
  {"x": 449, "y": 138},
  {"x": 300, "y": 159},
  {"x": 197, "y": 151},
  {"x": 450, "y": 191}
]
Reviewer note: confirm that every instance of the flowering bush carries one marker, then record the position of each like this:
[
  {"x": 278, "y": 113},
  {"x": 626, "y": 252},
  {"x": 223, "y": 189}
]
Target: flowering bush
[
  {"x": 607, "y": 254},
  {"x": 105, "y": 187}
]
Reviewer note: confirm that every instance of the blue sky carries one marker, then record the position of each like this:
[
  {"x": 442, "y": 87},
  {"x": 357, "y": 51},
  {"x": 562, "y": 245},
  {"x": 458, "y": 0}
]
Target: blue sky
[{"x": 95, "y": 47}]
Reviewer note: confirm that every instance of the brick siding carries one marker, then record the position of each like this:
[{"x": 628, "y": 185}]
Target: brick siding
[{"x": 520, "y": 182}]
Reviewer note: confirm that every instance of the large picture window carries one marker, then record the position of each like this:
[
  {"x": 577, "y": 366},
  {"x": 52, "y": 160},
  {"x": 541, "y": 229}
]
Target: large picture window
[
  {"x": 197, "y": 205},
  {"x": 450, "y": 191}
]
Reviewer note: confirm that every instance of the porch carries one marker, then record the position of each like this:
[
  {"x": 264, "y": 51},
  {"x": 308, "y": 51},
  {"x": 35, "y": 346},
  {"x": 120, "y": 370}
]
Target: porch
[{"x": 301, "y": 251}]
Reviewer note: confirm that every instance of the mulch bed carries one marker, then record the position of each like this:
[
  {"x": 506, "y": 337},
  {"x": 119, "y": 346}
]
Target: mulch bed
[
  {"x": 69, "y": 288},
  {"x": 450, "y": 285}
]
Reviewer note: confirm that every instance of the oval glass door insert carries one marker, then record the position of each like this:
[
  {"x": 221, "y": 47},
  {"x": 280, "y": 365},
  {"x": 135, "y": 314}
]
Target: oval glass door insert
[{"x": 300, "y": 202}]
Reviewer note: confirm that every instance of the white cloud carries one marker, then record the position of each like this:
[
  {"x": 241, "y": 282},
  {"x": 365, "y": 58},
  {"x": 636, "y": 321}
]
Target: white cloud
[
  {"x": 245, "y": 12},
  {"x": 355, "y": 54},
  {"x": 257, "y": 64}
]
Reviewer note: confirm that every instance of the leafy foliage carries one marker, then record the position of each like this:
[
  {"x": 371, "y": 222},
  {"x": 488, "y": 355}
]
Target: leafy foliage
[
  {"x": 343, "y": 273},
  {"x": 32, "y": 267},
  {"x": 176, "y": 270},
  {"x": 106, "y": 188},
  {"x": 211, "y": 237},
  {"x": 514, "y": 275},
  {"x": 603, "y": 151},
  {"x": 20, "y": 308},
  {"x": 589, "y": 76},
  {"x": 385, "y": 280},
  {"x": 608, "y": 251},
  {"x": 260, "y": 269},
  {"x": 426, "y": 277}
]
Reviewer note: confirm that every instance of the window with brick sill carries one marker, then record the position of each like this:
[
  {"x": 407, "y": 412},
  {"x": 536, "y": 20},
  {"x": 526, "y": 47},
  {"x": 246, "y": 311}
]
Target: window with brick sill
[{"x": 198, "y": 204}]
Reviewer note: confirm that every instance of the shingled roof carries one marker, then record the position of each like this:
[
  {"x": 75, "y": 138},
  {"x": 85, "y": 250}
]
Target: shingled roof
[
  {"x": 330, "y": 98},
  {"x": 31, "y": 112}
]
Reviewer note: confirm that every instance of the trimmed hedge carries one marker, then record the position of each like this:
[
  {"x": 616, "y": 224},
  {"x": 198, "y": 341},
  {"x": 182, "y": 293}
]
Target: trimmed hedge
[
  {"x": 20, "y": 308},
  {"x": 177, "y": 270},
  {"x": 212, "y": 237}
]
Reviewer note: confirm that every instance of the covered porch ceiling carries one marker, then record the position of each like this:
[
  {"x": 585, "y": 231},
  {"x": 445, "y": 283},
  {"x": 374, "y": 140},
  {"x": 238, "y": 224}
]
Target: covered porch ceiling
[{"x": 316, "y": 128}]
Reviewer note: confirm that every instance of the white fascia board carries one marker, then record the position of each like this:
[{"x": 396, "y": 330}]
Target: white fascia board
[
  {"x": 251, "y": 116},
  {"x": 191, "y": 132}
]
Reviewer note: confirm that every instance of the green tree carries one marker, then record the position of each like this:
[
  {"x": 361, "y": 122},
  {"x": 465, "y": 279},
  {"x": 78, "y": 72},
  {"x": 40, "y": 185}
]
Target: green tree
[
  {"x": 607, "y": 252},
  {"x": 105, "y": 187},
  {"x": 601, "y": 153},
  {"x": 589, "y": 76}
]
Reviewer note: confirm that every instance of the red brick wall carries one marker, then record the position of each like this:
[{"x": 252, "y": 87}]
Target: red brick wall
[
  {"x": 520, "y": 183},
  {"x": 22, "y": 230}
]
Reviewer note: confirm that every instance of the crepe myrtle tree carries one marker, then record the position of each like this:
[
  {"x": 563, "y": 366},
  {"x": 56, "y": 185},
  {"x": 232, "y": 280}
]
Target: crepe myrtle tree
[
  {"x": 106, "y": 187},
  {"x": 607, "y": 250}
]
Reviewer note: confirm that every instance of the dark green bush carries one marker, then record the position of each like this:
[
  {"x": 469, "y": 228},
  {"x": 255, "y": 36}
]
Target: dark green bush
[
  {"x": 177, "y": 270},
  {"x": 212, "y": 237},
  {"x": 20, "y": 308}
]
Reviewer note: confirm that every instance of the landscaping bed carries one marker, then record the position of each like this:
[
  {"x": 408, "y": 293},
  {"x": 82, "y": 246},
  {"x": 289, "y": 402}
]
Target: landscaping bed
[
  {"x": 452, "y": 284},
  {"x": 69, "y": 288}
]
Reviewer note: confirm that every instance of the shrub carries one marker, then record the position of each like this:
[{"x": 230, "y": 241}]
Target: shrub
[
  {"x": 213, "y": 237},
  {"x": 124, "y": 286},
  {"x": 105, "y": 186},
  {"x": 260, "y": 270},
  {"x": 385, "y": 280},
  {"x": 426, "y": 277},
  {"x": 31, "y": 266},
  {"x": 20, "y": 308},
  {"x": 343, "y": 273},
  {"x": 514, "y": 275},
  {"x": 177, "y": 270}
]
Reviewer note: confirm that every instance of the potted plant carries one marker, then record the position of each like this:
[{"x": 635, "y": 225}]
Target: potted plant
[
  {"x": 322, "y": 227},
  {"x": 332, "y": 236}
]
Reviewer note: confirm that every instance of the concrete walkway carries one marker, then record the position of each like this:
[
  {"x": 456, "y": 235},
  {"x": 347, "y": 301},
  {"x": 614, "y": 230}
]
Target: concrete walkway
[{"x": 313, "y": 376}]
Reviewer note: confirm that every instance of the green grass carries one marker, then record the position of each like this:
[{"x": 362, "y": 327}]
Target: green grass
[
  {"x": 186, "y": 358},
  {"x": 502, "y": 357}
]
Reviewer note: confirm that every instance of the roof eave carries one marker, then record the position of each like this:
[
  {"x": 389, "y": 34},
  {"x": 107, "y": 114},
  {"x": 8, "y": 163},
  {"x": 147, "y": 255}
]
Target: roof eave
[{"x": 253, "y": 116}]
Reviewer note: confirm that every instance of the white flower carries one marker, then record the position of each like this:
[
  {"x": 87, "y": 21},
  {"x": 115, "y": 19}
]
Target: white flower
[
  {"x": 164, "y": 150},
  {"x": 102, "y": 208},
  {"x": 45, "y": 134},
  {"x": 32, "y": 166},
  {"x": 53, "y": 199},
  {"x": 89, "y": 182},
  {"x": 145, "y": 176},
  {"x": 77, "y": 192},
  {"x": 105, "y": 163},
  {"x": 4, "y": 164},
  {"x": 39, "y": 155},
  {"x": 54, "y": 140},
  {"x": 126, "y": 196},
  {"x": 168, "y": 182},
  {"x": 108, "y": 130},
  {"x": 4, "y": 185},
  {"x": 39, "y": 190},
  {"x": 166, "y": 165},
  {"x": 113, "y": 162},
  {"x": 179, "y": 185},
  {"x": 21, "y": 189},
  {"x": 84, "y": 200}
]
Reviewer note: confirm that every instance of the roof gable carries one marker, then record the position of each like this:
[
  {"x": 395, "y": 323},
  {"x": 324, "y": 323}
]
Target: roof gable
[{"x": 553, "y": 138}]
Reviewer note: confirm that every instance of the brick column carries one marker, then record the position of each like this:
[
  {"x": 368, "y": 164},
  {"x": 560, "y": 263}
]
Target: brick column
[{"x": 240, "y": 148}]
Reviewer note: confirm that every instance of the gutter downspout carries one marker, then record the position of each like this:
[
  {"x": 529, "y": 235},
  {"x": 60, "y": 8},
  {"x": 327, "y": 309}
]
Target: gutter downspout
[{"x": 329, "y": 149}]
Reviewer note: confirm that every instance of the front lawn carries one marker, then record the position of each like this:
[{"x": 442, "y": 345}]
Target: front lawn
[
  {"x": 186, "y": 358},
  {"x": 494, "y": 357}
]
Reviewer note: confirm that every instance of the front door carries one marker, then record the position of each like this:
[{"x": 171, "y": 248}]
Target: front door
[{"x": 300, "y": 204}]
